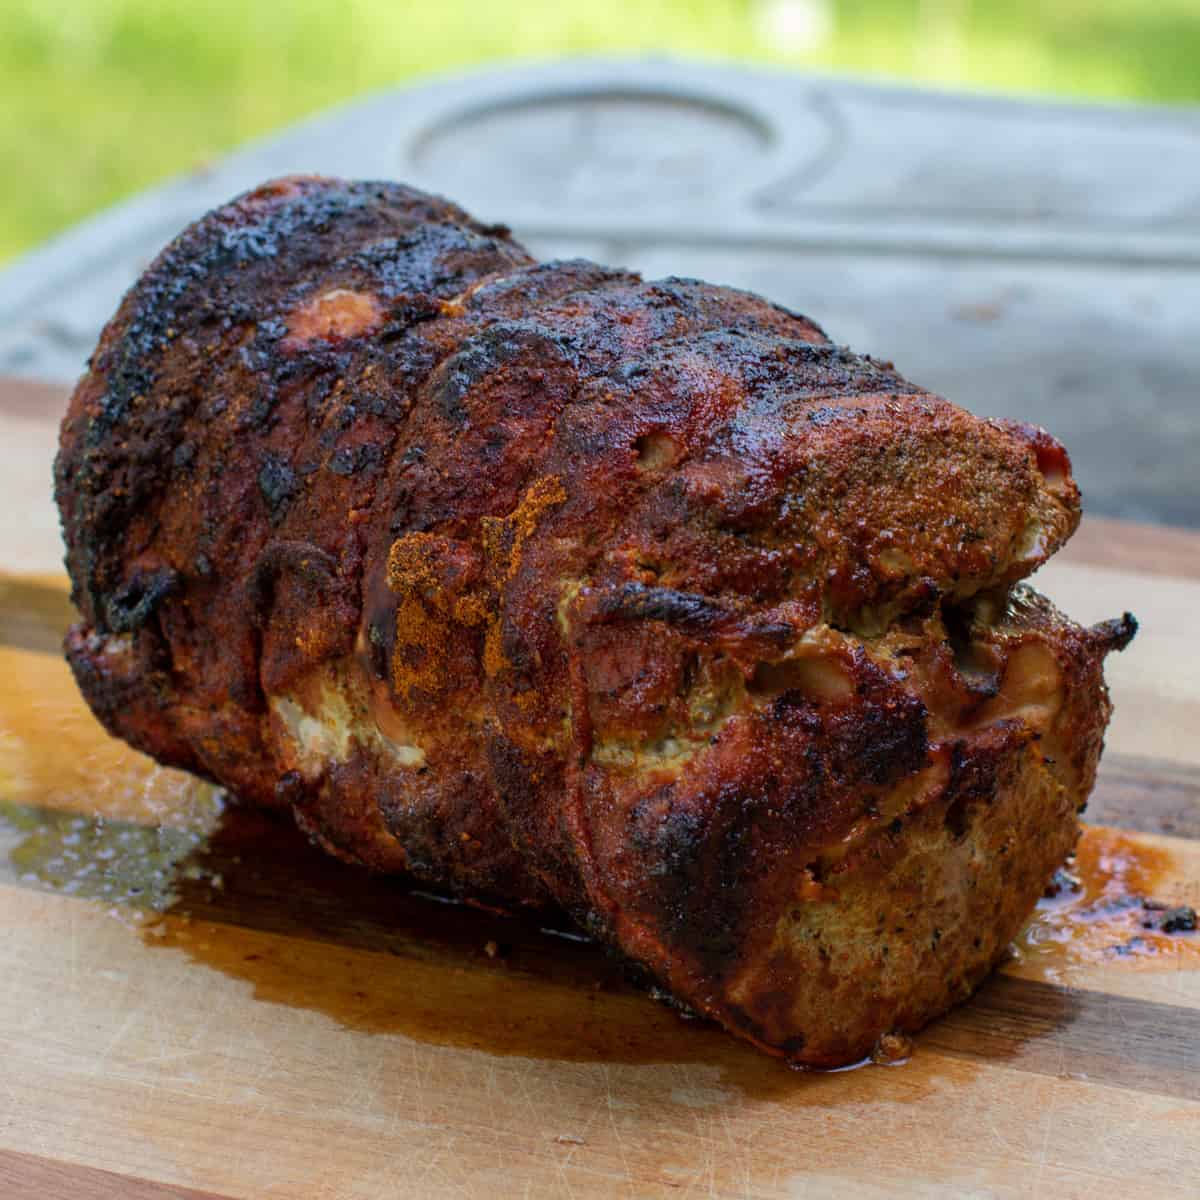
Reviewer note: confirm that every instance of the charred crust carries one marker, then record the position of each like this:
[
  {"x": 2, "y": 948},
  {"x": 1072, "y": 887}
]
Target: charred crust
[
  {"x": 708, "y": 854},
  {"x": 770, "y": 1008},
  {"x": 481, "y": 356},
  {"x": 133, "y": 698},
  {"x": 212, "y": 280},
  {"x": 1114, "y": 634},
  {"x": 427, "y": 261},
  {"x": 277, "y": 483},
  {"x": 653, "y": 510},
  {"x": 134, "y": 602},
  {"x": 979, "y": 768},
  {"x": 637, "y": 602},
  {"x": 697, "y": 876},
  {"x": 289, "y": 787},
  {"x": 302, "y": 561}
]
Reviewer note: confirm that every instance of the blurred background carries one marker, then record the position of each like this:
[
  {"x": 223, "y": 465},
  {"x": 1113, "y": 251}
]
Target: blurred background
[
  {"x": 105, "y": 97},
  {"x": 1030, "y": 260}
]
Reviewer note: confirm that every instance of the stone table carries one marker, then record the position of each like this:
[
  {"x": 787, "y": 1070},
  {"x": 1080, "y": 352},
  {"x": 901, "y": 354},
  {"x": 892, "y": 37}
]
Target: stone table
[{"x": 1035, "y": 260}]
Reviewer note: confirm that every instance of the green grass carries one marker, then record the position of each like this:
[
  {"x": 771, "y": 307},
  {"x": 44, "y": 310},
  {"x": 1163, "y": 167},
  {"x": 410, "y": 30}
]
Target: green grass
[{"x": 101, "y": 99}]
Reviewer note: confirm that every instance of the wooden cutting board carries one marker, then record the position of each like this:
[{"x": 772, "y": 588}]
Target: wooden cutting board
[{"x": 194, "y": 1003}]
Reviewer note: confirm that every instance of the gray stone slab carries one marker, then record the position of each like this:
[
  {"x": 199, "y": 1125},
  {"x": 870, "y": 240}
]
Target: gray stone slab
[{"x": 1027, "y": 259}]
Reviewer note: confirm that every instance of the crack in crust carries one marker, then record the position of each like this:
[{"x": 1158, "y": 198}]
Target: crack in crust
[{"x": 551, "y": 585}]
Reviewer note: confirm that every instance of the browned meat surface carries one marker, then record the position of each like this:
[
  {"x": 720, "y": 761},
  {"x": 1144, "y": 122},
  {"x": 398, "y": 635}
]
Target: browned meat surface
[{"x": 547, "y": 584}]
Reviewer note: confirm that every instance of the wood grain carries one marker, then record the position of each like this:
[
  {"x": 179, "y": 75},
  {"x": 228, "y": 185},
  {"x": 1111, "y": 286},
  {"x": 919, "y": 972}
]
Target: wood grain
[
  {"x": 29, "y": 1177},
  {"x": 1156, "y": 682},
  {"x": 1136, "y": 548},
  {"x": 240, "y": 1089},
  {"x": 1067, "y": 1032},
  {"x": 1147, "y": 794},
  {"x": 198, "y": 1004}
]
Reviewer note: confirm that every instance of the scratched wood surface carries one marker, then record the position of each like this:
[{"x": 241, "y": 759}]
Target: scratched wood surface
[{"x": 196, "y": 1004}]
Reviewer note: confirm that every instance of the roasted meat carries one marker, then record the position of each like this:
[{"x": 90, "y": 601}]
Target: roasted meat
[{"x": 551, "y": 586}]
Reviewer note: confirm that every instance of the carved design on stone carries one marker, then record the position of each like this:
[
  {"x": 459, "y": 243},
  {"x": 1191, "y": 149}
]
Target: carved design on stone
[
  {"x": 607, "y": 149},
  {"x": 803, "y": 175},
  {"x": 925, "y": 160}
]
